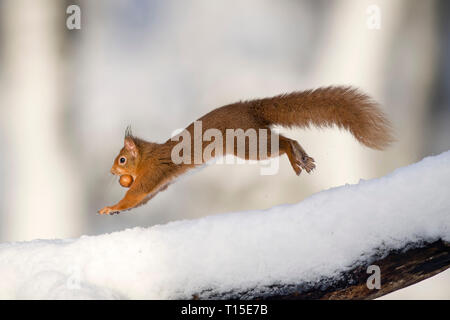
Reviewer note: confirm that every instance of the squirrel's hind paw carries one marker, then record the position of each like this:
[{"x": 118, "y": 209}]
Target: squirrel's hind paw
[
  {"x": 300, "y": 160},
  {"x": 307, "y": 163}
]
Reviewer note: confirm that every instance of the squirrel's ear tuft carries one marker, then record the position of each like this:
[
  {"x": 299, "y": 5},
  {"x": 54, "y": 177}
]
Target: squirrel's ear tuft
[
  {"x": 128, "y": 132},
  {"x": 130, "y": 145}
]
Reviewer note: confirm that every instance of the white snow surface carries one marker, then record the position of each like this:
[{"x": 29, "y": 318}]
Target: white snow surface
[{"x": 318, "y": 237}]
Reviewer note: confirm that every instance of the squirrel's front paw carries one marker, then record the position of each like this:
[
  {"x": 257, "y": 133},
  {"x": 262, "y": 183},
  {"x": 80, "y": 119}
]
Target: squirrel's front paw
[{"x": 108, "y": 210}]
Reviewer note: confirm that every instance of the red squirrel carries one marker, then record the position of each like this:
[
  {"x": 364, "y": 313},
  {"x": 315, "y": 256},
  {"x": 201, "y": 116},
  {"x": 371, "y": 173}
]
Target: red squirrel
[{"x": 147, "y": 167}]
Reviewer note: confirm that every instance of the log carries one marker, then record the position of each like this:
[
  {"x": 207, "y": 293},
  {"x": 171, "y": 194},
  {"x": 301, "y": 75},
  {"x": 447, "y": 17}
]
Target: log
[{"x": 399, "y": 269}]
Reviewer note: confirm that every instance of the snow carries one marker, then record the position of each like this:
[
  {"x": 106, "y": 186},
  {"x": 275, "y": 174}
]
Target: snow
[{"x": 318, "y": 237}]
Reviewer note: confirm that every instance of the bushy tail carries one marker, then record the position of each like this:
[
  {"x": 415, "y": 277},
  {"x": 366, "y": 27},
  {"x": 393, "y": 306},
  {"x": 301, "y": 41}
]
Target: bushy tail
[{"x": 345, "y": 107}]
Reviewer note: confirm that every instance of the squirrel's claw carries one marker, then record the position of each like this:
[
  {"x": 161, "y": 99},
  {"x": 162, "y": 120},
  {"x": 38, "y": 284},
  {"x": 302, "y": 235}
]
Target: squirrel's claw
[{"x": 108, "y": 210}]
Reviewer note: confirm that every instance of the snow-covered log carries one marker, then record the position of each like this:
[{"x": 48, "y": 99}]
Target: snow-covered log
[
  {"x": 318, "y": 248},
  {"x": 398, "y": 269}
]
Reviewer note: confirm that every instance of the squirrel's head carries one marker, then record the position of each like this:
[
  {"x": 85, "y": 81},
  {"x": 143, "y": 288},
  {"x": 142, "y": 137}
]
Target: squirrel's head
[{"x": 128, "y": 158}]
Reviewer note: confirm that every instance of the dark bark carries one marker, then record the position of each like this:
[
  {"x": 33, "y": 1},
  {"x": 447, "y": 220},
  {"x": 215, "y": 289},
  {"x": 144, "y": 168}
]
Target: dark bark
[{"x": 399, "y": 269}]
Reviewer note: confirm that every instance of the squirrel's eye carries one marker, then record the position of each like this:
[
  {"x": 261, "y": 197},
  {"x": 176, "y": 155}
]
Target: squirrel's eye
[{"x": 122, "y": 160}]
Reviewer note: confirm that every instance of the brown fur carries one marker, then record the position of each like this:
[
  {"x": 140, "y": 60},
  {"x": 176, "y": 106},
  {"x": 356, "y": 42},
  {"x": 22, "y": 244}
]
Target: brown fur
[
  {"x": 152, "y": 169},
  {"x": 345, "y": 107}
]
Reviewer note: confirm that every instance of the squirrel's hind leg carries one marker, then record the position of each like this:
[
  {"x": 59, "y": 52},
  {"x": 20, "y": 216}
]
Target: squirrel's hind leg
[{"x": 297, "y": 156}]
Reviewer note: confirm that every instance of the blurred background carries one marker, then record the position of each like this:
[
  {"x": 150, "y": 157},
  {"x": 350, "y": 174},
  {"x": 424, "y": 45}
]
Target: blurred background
[{"x": 66, "y": 97}]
